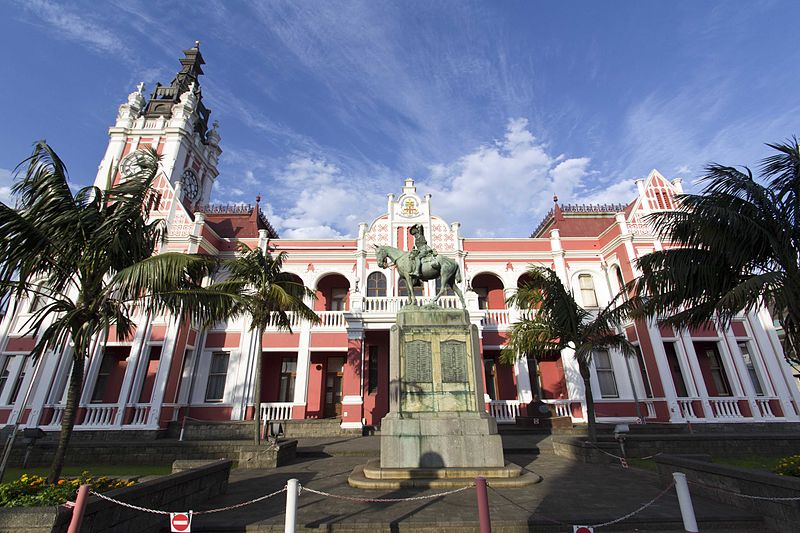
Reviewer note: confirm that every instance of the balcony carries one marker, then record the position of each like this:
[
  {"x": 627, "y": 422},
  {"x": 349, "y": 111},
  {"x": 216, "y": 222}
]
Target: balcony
[{"x": 393, "y": 304}]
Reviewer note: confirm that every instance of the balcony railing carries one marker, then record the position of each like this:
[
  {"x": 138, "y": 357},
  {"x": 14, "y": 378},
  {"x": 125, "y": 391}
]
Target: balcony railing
[
  {"x": 725, "y": 408},
  {"x": 141, "y": 412},
  {"x": 276, "y": 411},
  {"x": 498, "y": 318},
  {"x": 504, "y": 411},
  {"x": 392, "y": 304},
  {"x": 560, "y": 407},
  {"x": 99, "y": 415},
  {"x": 331, "y": 320},
  {"x": 764, "y": 408}
]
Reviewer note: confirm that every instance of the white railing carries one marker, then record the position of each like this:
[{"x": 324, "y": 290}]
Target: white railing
[
  {"x": 686, "y": 406},
  {"x": 496, "y": 318},
  {"x": 58, "y": 415},
  {"x": 765, "y": 408},
  {"x": 99, "y": 415},
  {"x": 276, "y": 411},
  {"x": 651, "y": 408},
  {"x": 504, "y": 411},
  {"x": 725, "y": 408},
  {"x": 392, "y": 304},
  {"x": 294, "y": 322},
  {"x": 331, "y": 320},
  {"x": 141, "y": 412},
  {"x": 560, "y": 407}
]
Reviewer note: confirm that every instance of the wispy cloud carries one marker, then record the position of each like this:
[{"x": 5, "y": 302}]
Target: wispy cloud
[{"x": 6, "y": 179}]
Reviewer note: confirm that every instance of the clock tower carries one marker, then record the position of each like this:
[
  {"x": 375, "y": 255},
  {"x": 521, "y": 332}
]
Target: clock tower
[{"x": 175, "y": 122}]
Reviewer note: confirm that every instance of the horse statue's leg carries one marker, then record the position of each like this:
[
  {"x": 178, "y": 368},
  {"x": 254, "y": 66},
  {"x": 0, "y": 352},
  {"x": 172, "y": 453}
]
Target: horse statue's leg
[
  {"x": 442, "y": 285},
  {"x": 458, "y": 293},
  {"x": 412, "y": 300}
]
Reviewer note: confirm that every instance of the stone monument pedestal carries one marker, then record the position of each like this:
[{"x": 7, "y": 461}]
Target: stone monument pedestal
[{"x": 437, "y": 432}]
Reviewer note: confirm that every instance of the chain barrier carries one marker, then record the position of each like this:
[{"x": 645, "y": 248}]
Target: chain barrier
[
  {"x": 386, "y": 500},
  {"x": 209, "y": 511},
  {"x": 748, "y": 496},
  {"x": 623, "y": 460},
  {"x": 639, "y": 510}
]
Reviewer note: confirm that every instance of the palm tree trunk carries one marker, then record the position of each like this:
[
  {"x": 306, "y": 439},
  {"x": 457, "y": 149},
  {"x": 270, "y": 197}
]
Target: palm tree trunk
[
  {"x": 587, "y": 386},
  {"x": 257, "y": 390},
  {"x": 70, "y": 412}
]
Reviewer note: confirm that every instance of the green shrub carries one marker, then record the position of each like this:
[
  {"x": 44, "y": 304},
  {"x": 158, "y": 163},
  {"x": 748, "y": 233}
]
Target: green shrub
[
  {"x": 32, "y": 490},
  {"x": 788, "y": 466}
]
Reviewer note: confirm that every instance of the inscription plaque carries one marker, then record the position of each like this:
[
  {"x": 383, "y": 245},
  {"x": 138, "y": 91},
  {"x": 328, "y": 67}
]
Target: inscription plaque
[
  {"x": 418, "y": 362},
  {"x": 454, "y": 359}
]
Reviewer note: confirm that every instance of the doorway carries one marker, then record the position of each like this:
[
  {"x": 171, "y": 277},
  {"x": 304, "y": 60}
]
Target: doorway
[{"x": 333, "y": 387}]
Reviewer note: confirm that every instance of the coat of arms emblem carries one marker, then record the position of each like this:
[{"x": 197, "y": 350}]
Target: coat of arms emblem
[{"x": 409, "y": 208}]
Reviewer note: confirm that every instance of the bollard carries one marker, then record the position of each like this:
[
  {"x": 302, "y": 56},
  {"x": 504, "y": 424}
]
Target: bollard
[
  {"x": 292, "y": 490},
  {"x": 685, "y": 501},
  {"x": 483, "y": 505},
  {"x": 77, "y": 511}
]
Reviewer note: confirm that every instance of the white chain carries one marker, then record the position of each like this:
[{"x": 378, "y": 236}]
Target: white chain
[
  {"x": 640, "y": 509},
  {"x": 386, "y": 500},
  {"x": 218, "y": 510}
]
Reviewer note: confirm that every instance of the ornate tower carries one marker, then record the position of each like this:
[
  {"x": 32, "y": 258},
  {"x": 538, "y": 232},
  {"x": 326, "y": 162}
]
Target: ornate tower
[{"x": 173, "y": 121}]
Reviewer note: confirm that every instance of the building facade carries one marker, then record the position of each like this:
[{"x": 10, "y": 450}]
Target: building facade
[{"x": 169, "y": 369}]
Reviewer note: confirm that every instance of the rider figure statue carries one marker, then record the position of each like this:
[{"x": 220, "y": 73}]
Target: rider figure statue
[{"x": 421, "y": 250}]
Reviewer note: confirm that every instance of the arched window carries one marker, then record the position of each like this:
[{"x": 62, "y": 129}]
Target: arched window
[
  {"x": 588, "y": 296},
  {"x": 620, "y": 281},
  {"x": 376, "y": 284},
  {"x": 402, "y": 290}
]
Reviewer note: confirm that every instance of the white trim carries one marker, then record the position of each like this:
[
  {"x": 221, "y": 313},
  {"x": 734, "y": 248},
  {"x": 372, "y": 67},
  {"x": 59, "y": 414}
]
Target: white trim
[
  {"x": 351, "y": 425},
  {"x": 352, "y": 399}
]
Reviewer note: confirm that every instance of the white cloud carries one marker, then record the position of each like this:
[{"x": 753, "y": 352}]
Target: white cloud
[
  {"x": 326, "y": 203},
  {"x": 504, "y": 188},
  {"x": 622, "y": 192},
  {"x": 77, "y": 27},
  {"x": 5, "y": 186}
]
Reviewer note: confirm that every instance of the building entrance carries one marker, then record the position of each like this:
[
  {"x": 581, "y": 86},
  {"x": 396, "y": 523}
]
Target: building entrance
[{"x": 333, "y": 387}]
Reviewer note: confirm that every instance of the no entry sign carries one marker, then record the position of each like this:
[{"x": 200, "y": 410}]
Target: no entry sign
[
  {"x": 180, "y": 522},
  {"x": 582, "y": 529}
]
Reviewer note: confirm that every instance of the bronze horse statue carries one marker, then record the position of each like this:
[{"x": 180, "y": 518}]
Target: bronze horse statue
[{"x": 444, "y": 268}]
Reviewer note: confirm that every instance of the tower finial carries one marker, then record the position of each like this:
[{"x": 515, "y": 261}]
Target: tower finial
[
  {"x": 140, "y": 87},
  {"x": 555, "y": 198},
  {"x": 197, "y": 44}
]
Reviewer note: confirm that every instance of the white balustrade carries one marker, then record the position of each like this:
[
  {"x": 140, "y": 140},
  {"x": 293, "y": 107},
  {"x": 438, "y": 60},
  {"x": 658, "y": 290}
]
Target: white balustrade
[
  {"x": 686, "y": 406},
  {"x": 99, "y": 415},
  {"x": 331, "y": 320},
  {"x": 765, "y": 408},
  {"x": 725, "y": 408},
  {"x": 392, "y": 304},
  {"x": 141, "y": 412},
  {"x": 560, "y": 407},
  {"x": 651, "y": 408},
  {"x": 496, "y": 318},
  {"x": 504, "y": 411},
  {"x": 58, "y": 415},
  {"x": 294, "y": 322},
  {"x": 276, "y": 411}
]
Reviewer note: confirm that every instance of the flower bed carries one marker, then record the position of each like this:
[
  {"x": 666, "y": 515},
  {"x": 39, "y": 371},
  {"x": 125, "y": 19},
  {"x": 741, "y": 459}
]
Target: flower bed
[
  {"x": 788, "y": 466},
  {"x": 33, "y": 491}
]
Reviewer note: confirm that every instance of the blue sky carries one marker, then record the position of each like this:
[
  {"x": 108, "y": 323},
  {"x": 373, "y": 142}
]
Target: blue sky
[{"x": 324, "y": 107}]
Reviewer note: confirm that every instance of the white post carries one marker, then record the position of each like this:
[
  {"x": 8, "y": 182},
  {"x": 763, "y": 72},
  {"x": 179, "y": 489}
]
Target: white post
[
  {"x": 292, "y": 491},
  {"x": 685, "y": 502}
]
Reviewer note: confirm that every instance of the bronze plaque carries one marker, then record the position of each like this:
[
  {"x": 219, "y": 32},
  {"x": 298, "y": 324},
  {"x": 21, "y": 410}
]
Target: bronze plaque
[
  {"x": 454, "y": 361},
  {"x": 418, "y": 362}
]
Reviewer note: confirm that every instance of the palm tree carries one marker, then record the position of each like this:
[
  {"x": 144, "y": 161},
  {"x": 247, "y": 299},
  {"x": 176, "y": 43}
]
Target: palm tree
[
  {"x": 558, "y": 323},
  {"x": 734, "y": 247},
  {"x": 89, "y": 259},
  {"x": 267, "y": 295}
]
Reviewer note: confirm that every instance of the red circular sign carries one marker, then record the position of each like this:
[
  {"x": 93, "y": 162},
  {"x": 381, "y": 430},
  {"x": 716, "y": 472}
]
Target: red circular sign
[
  {"x": 583, "y": 529},
  {"x": 180, "y": 522}
]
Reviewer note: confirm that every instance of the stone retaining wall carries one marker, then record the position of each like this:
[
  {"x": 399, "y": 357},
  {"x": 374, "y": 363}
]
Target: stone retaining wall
[
  {"x": 133, "y": 453},
  {"x": 176, "y": 492},
  {"x": 719, "y": 481}
]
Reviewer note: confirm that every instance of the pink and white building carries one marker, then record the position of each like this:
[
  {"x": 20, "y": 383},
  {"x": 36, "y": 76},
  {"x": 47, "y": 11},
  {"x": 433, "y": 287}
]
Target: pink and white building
[{"x": 339, "y": 368}]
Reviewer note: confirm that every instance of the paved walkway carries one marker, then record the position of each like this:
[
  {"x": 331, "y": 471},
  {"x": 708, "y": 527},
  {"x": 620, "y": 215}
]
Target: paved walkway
[{"x": 571, "y": 493}]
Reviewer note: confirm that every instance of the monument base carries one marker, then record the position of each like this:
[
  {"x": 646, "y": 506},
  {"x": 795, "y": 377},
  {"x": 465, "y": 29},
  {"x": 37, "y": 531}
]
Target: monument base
[
  {"x": 440, "y": 440},
  {"x": 373, "y": 476}
]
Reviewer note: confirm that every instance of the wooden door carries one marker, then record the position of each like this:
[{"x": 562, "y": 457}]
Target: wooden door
[{"x": 333, "y": 387}]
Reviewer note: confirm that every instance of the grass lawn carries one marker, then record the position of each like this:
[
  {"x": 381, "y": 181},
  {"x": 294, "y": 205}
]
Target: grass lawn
[
  {"x": 756, "y": 462},
  {"x": 119, "y": 471}
]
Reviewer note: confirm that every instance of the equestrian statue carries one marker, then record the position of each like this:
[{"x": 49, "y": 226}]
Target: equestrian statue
[{"x": 422, "y": 263}]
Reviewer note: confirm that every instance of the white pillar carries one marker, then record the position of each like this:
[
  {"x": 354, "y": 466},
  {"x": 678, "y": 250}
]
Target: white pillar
[
  {"x": 303, "y": 364},
  {"x": 521, "y": 371},
  {"x": 164, "y": 364},
  {"x": 772, "y": 354},
  {"x": 732, "y": 352},
  {"x": 140, "y": 345},
  {"x": 696, "y": 373},
  {"x": 664, "y": 373}
]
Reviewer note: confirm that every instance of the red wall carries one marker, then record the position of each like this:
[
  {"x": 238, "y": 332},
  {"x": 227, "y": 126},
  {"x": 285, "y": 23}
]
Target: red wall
[
  {"x": 316, "y": 374},
  {"x": 376, "y": 404},
  {"x": 154, "y": 359}
]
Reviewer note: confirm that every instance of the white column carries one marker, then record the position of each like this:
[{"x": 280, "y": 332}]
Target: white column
[
  {"x": 303, "y": 364},
  {"x": 734, "y": 355},
  {"x": 664, "y": 373},
  {"x": 521, "y": 371},
  {"x": 772, "y": 354},
  {"x": 96, "y": 355},
  {"x": 138, "y": 346},
  {"x": 45, "y": 380},
  {"x": 572, "y": 377},
  {"x": 164, "y": 364},
  {"x": 696, "y": 373}
]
